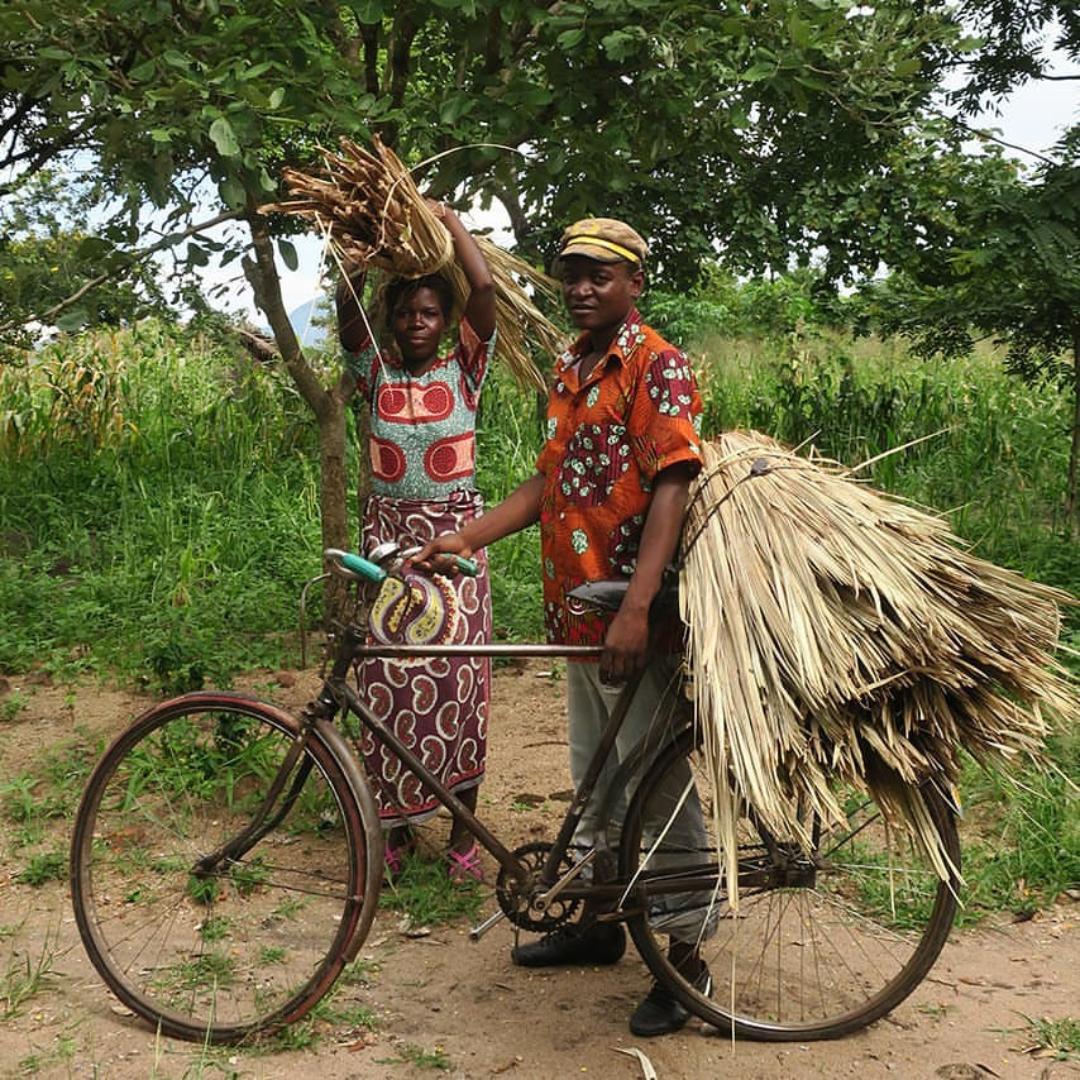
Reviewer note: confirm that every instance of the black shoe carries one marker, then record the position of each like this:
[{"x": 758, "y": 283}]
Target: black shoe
[
  {"x": 600, "y": 943},
  {"x": 660, "y": 1013}
]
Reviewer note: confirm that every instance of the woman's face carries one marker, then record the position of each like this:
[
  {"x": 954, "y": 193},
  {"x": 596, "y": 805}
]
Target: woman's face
[{"x": 418, "y": 324}]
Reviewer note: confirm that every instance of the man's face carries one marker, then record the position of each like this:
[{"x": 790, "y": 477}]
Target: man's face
[{"x": 598, "y": 295}]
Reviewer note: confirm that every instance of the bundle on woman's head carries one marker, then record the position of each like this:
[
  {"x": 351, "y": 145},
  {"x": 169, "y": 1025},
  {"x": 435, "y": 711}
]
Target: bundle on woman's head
[{"x": 371, "y": 213}]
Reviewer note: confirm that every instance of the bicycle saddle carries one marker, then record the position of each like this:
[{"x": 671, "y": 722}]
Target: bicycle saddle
[{"x": 608, "y": 596}]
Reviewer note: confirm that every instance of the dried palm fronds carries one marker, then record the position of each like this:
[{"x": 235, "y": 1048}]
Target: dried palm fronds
[
  {"x": 840, "y": 637},
  {"x": 370, "y": 210}
]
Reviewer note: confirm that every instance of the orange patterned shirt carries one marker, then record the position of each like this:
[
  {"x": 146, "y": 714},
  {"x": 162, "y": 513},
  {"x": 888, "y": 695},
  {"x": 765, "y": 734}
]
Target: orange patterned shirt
[{"x": 638, "y": 412}]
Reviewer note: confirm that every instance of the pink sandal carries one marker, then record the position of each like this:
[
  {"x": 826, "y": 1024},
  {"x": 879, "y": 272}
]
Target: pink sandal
[
  {"x": 465, "y": 865},
  {"x": 394, "y": 860}
]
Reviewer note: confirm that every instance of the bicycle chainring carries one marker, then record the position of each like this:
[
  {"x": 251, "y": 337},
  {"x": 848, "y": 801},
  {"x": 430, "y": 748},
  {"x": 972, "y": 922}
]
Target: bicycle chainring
[{"x": 520, "y": 904}]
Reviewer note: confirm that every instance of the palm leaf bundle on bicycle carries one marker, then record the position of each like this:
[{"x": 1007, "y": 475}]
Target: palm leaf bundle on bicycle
[
  {"x": 839, "y": 639},
  {"x": 368, "y": 208}
]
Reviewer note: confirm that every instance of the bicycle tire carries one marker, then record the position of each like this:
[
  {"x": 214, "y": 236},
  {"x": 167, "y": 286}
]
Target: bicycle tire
[
  {"x": 778, "y": 970},
  {"x": 250, "y": 944}
]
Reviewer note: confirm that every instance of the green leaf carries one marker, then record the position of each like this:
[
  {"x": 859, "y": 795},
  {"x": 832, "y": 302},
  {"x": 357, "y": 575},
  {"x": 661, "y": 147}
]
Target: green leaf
[
  {"x": 93, "y": 247},
  {"x": 160, "y": 135},
  {"x": 569, "y": 38},
  {"x": 176, "y": 59},
  {"x": 257, "y": 70},
  {"x": 908, "y": 67},
  {"x": 288, "y": 253},
  {"x": 368, "y": 11},
  {"x": 455, "y": 107},
  {"x": 196, "y": 256},
  {"x": 144, "y": 71},
  {"x": 620, "y": 44},
  {"x": 224, "y": 137},
  {"x": 799, "y": 30},
  {"x": 232, "y": 192},
  {"x": 277, "y": 97},
  {"x": 51, "y": 52},
  {"x": 74, "y": 319},
  {"x": 763, "y": 69}
]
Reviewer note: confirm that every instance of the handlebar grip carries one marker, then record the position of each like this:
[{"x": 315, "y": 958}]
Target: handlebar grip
[
  {"x": 362, "y": 567},
  {"x": 468, "y": 567}
]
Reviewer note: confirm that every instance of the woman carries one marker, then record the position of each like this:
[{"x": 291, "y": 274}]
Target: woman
[{"x": 422, "y": 445}]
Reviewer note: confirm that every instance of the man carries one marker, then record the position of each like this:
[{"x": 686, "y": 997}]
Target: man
[{"x": 610, "y": 492}]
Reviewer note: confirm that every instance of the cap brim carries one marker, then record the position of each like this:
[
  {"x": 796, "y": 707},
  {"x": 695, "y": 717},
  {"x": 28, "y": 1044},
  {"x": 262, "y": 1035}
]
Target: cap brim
[{"x": 591, "y": 251}]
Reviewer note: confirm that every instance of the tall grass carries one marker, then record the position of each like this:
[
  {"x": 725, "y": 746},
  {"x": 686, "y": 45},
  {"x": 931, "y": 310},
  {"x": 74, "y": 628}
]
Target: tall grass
[
  {"x": 158, "y": 508},
  {"x": 158, "y": 491},
  {"x": 159, "y": 511}
]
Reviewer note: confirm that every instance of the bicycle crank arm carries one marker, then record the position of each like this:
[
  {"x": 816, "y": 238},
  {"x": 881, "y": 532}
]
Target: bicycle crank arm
[
  {"x": 477, "y": 932},
  {"x": 544, "y": 899}
]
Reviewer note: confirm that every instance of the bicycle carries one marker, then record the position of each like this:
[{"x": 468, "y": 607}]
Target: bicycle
[{"x": 227, "y": 860}]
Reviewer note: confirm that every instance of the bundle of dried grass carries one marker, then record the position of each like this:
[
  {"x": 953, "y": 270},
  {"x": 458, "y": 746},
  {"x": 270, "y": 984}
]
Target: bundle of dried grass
[
  {"x": 839, "y": 637},
  {"x": 370, "y": 210}
]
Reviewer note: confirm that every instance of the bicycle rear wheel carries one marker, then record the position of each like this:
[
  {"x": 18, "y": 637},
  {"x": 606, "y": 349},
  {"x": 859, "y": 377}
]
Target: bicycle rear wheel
[
  {"x": 212, "y": 944},
  {"x": 821, "y": 945}
]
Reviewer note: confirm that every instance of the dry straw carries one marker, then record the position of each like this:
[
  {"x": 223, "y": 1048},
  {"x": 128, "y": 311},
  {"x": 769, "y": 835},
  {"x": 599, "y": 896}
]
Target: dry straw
[
  {"x": 839, "y": 638},
  {"x": 368, "y": 206}
]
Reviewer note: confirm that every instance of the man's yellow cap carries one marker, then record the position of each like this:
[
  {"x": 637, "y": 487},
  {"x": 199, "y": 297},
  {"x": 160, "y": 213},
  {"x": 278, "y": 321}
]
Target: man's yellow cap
[{"x": 605, "y": 240}]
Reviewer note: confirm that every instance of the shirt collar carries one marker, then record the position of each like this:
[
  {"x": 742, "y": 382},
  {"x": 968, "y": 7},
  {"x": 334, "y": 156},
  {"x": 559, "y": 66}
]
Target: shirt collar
[{"x": 623, "y": 344}]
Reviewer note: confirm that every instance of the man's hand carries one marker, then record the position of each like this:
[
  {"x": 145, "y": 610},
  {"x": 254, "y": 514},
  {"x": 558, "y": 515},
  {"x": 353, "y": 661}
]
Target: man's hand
[
  {"x": 625, "y": 645},
  {"x": 437, "y": 556}
]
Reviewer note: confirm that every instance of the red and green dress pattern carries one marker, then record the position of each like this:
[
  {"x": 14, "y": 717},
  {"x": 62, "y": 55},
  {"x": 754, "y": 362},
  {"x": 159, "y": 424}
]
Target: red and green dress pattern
[{"x": 422, "y": 449}]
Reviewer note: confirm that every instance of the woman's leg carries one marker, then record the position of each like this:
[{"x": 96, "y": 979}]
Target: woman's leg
[{"x": 461, "y": 840}]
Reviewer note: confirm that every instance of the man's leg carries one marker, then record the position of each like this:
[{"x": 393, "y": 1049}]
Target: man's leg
[
  {"x": 675, "y": 813},
  {"x": 589, "y": 705}
]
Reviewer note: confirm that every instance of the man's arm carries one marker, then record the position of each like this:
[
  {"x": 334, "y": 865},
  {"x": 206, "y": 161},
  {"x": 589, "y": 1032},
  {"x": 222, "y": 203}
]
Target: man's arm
[
  {"x": 518, "y": 510},
  {"x": 627, "y": 640}
]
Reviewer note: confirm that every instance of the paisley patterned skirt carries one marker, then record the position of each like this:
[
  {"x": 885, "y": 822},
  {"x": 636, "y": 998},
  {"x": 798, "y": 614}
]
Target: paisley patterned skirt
[{"x": 437, "y": 707}]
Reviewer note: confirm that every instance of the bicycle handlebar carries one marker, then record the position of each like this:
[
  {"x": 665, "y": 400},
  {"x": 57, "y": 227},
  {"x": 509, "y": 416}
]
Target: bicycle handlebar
[{"x": 357, "y": 566}]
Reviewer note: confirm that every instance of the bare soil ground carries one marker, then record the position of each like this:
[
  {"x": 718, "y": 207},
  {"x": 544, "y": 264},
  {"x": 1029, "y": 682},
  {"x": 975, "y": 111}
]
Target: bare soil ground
[{"x": 445, "y": 1006}]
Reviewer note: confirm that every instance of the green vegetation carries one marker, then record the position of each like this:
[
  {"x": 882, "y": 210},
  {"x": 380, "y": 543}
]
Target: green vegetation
[
  {"x": 42, "y": 867},
  {"x": 159, "y": 499},
  {"x": 425, "y": 895},
  {"x": 417, "y": 1056},
  {"x": 159, "y": 508},
  {"x": 24, "y": 976},
  {"x": 1061, "y": 1038}
]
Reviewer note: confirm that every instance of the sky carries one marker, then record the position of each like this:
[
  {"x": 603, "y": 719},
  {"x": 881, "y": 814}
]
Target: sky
[{"x": 1033, "y": 117}]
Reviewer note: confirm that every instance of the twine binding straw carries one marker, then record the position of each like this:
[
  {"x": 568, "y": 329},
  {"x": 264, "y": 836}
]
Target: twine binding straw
[{"x": 838, "y": 637}]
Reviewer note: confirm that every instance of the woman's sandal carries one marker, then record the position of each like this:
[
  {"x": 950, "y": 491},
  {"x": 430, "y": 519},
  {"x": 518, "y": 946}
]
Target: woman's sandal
[
  {"x": 394, "y": 860},
  {"x": 464, "y": 864}
]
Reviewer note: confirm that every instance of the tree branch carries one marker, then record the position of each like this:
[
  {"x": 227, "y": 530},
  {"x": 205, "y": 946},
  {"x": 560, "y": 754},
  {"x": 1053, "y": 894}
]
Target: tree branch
[
  {"x": 44, "y": 155},
  {"x": 983, "y": 134},
  {"x": 263, "y": 276},
  {"x": 18, "y": 114},
  {"x": 46, "y": 317},
  {"x": 370, "y": 35}
]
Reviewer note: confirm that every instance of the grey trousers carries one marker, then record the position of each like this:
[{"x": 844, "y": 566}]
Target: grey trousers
[{"x": 686, "y": 917}]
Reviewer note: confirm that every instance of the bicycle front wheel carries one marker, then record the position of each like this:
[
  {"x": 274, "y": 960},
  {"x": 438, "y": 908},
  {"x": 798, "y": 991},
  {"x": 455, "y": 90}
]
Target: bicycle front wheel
[
  {"x": 822, "y": 943},
  {"x": 215, "y": 903}
]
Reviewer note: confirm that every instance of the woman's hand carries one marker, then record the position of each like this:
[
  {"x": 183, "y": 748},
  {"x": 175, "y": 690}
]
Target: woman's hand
[
  {"x": 440, "y": 210},
  {"x": 438, "y": 555}
]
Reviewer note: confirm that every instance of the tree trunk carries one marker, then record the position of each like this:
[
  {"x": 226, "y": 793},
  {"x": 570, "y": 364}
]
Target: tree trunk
[
  {"x": 328, "y": 406},
  {"x": 1071, "y": 506}
]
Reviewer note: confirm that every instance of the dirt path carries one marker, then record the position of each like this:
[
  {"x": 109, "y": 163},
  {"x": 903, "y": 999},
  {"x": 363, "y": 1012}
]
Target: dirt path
[{"x": 447, "y": 1007}]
